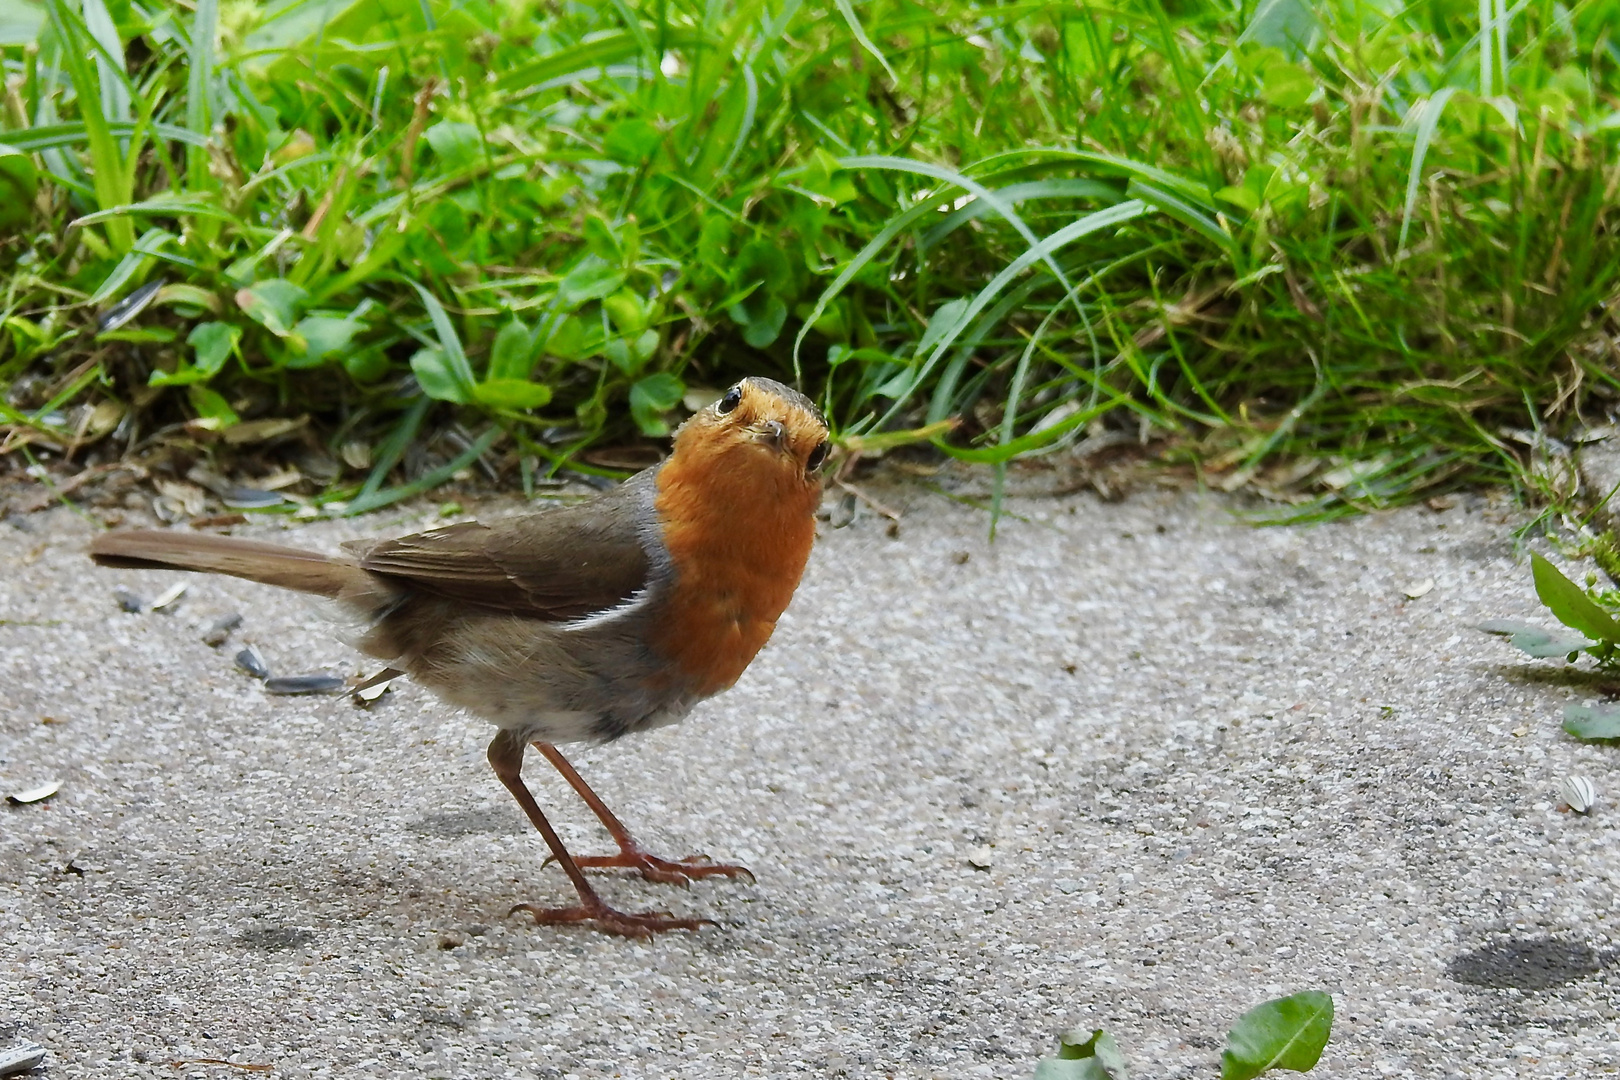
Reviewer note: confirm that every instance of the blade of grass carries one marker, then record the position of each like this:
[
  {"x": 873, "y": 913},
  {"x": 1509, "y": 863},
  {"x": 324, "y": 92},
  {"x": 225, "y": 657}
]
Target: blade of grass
[
  {"x": 1427, "y": 118},
  {"x": 375, "y": 500}
]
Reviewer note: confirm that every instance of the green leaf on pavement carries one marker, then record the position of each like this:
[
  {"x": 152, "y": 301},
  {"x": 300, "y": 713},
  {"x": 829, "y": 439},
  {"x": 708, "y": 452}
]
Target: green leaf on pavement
[
  {"x": 1593, "y": 723},
  {"x": 1083, "y": 1057},
  {"x": 1569, "y": 603},
  {"x": 1536, "y": 641},
  {"x": 1285, "y": 1033}
]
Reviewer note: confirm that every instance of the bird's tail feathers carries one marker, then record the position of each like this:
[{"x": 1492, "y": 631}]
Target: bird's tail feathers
[{"x": 268, "y": 564}]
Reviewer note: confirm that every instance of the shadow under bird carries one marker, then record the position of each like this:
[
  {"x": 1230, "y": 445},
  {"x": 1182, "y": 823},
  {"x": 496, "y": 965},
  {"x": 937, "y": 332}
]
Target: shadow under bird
[{"x": 580, "y": 622}]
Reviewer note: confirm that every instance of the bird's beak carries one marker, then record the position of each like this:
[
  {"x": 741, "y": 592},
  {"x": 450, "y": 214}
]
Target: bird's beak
[{"x": 772, "y": 434}]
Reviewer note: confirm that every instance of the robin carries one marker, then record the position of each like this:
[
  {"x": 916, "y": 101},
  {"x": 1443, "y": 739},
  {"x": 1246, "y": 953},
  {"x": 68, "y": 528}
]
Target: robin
[{"x": 581, "y": 622}]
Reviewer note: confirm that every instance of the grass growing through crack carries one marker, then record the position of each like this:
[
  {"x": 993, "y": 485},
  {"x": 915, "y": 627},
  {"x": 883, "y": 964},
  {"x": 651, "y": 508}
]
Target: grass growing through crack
[{"x": 1335, "y": 249}]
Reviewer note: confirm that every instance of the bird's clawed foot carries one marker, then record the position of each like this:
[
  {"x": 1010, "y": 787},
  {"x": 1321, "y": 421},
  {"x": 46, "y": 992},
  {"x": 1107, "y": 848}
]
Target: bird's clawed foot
[
  {"x": 665, "y": 871},
  {"x": 643, "y": 924}
]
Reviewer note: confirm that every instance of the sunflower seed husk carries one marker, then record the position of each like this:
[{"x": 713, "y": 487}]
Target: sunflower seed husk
[
  {"x": 304, "y": 684},
  {"x": 246, "y": 498},
  {"x": 35, "y": 794},
  {"x": 251, "y": 662},
  {"x": 843, "y": 512},
  {"x": 128, "y": 601},
  {"x": 21, "y": 1059},
  {"x": 220, "y": 629},
  {"x": 368, "y": 694},
  {"x": 170, "y": 595},
  {"x": 1578, "y": 792},
  {"x": 129, "y": 307}
]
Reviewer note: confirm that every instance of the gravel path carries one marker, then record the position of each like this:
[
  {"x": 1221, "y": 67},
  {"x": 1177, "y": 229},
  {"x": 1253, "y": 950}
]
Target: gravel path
[{"x": 1203, "y": 764}]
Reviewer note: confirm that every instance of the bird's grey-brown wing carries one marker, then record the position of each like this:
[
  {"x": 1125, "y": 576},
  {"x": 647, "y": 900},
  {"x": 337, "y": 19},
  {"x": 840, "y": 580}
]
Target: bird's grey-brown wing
[{"x": 557, "y": 564}]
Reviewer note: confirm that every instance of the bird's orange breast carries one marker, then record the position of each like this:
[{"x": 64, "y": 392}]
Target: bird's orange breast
[{"x": 738, "y": 525}]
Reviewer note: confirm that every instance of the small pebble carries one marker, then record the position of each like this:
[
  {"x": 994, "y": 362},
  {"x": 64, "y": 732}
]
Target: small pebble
[
  {"x": 251, "y": 662},
  {"x": 128, "y": 601},
  {"x": 981, "y": 858},
  {"x": 305, "y": 684},
  {"x": 220, "y": 629}
]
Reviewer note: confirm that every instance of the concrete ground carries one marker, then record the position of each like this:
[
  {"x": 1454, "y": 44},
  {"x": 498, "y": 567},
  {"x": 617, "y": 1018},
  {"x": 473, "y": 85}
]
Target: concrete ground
[{"x": 1205, "y": 765}]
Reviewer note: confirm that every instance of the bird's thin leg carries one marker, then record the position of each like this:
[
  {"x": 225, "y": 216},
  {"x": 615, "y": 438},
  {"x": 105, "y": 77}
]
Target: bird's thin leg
[
  {"x": 632, "y": 854},
  {"x": 506, "y": 758}
]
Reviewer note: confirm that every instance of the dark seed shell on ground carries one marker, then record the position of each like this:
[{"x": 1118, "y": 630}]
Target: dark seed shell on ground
[
  {"x": 221, "y": 628},
  {"x": 251, "y": 662},
  {"x": 246, "y": 498},
  {"x": 128, "y": 601},
  {"x": 305, "y": 684}
]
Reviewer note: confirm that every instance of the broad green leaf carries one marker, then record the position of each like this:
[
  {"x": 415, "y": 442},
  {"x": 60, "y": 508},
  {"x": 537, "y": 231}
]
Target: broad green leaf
[
  {"x": 1592, "y": 722},
  {"x": 766, "y": 326},
  {"x": 632, "y": 141},
  {"x": 603, "y": 240},
  {"x": 946, "y": 318},
  {"x": 18, "y": 182},
  {"x": 366, "y": 365},
  {"x": 1539, "y": 643},
  {"x": 273, "y": 304},
  {"x": 19, "y": 22},
  {"x": 511, "y": 394},
  {"x": 592, "y": 279},
  {"x": 567, "y": 340},
  {"x": 653, "y": 396},
  {"x": 512, "y": 355},
  {"x": 145, "y": 335},
  {"x": 458, "y": 145},
  {"x": 213, "y": 411},
  {"x": 438, "y": 378},
  {"x": 627, "y": 311},
  {"x": 213, "y": 343},
  {"x": 763, "y": 261},
  {"x": 323, "y": 336},
  {"x": 1287, "y": 25},
  {"x": 1096, "y": 1057},
  {"x": 1285, "y": 1033},
  {"x": 1287, "y": 86},
  {"x": 1242, "y": 197},
  {"x": 452, "y": 361},
  {"x": 1569, "y": 603}
]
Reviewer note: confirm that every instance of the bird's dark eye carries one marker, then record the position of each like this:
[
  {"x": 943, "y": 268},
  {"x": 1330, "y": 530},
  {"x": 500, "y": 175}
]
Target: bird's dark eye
[
  {"x": 732, "y": 399},
  {"x": 817, "y": 456}
]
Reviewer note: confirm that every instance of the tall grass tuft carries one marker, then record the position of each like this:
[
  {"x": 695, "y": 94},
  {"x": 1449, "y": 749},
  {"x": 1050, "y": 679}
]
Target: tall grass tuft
[{"x": 1339, "y": 253}]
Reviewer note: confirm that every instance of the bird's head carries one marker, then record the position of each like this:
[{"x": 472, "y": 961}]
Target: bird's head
[{"x": 758, "y": 426}]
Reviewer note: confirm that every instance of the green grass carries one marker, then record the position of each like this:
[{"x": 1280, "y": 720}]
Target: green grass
[{"x": 1333, "y": 250}]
